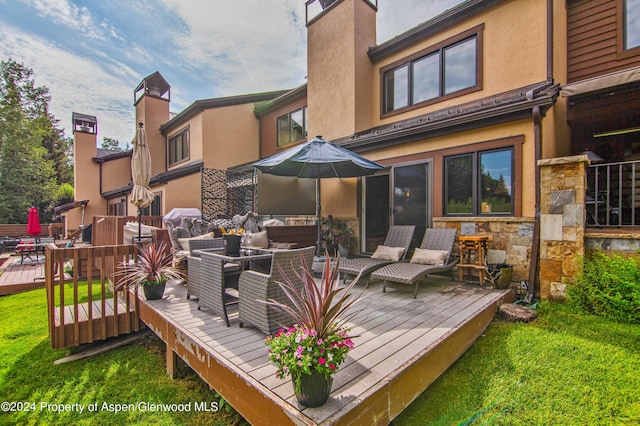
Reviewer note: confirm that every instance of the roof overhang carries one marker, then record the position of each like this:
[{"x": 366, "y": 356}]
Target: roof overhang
[
  {"x": 68, "y": 206},
  {"x": 502, "y": 108},
  {"x": 604, "y": 82}
]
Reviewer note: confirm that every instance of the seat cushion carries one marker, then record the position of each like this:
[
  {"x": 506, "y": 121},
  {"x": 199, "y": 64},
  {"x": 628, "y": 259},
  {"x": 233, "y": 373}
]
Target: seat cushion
[
  {"x": 259, "y": 240},
  {"x": 388, "y": 253},
  {"x": 429, "y": 257}
]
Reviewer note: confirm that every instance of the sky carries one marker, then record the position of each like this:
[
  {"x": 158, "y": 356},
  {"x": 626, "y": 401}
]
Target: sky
[{"x": 92, "y": 54}]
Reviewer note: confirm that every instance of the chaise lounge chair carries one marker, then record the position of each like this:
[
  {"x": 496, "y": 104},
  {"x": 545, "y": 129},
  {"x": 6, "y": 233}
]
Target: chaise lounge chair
[
  {"x": 433, "y": 256},
  {"x": 399, "y": 236}
]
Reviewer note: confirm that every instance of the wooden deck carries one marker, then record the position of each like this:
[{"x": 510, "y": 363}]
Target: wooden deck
[
  {"x": 404, "y": 344},
  {"x": 19, "y": 278}
]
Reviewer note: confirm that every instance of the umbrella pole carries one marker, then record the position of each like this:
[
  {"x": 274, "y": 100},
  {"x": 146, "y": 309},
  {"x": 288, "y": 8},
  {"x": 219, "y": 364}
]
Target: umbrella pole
[
  {"x": 319, "y": 249},
  {"x": 139, "y": 226}
]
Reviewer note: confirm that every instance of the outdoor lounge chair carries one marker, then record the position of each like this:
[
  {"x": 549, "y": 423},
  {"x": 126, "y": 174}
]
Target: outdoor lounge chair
[
  {"x": 406, "y": 274},
  {"x": 398, "y": 236},
  {"x": 255, "y": 287}
]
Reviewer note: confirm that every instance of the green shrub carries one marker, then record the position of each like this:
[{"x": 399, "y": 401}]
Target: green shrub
[{"x": 609, "y": 286}]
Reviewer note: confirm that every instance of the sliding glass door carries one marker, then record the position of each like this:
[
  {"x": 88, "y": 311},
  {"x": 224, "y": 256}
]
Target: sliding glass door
[
  {"x": 412, "y": 202},
  {"x": 402, "y": 197}
]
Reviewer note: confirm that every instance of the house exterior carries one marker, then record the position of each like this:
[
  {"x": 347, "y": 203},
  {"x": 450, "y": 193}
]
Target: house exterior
[{"x": 461, "y": 109}]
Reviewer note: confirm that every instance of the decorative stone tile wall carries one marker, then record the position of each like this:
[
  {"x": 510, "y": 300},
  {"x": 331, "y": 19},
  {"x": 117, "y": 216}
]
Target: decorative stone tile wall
[
  {"x": 512, "y": 239},
  {"x": 562, "y": 222}
]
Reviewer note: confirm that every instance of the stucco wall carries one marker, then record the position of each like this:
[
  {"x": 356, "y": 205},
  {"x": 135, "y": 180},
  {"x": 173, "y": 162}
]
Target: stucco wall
[
  {"x": 514, "y": 53},
  {"x": 154, "y": 112},
  {"x": 116, "y": 173},
  {"x": 339, "y": 71},
  {"x": 230, "y": 136}
]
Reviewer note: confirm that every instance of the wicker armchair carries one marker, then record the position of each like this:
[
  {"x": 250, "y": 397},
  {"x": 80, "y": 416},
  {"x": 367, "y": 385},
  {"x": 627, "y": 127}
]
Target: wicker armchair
[
  {"x": 219, "y": 284},
  {"x": 255, "y": 287},
  {"x": 194, "y": 264},
  {"x": 403, "y": 275},
  {"x": 398, "y": 236}
]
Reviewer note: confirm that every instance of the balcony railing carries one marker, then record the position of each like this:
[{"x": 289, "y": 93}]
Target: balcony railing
[
  {"x": 315, "y": 7},
  {"x": 613, "y": 194}
]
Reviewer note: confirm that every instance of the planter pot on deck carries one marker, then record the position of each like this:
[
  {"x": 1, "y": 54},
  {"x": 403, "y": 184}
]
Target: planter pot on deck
[
  {"x": 154, "y": 291},
  {"x": 314, "y": 389}
]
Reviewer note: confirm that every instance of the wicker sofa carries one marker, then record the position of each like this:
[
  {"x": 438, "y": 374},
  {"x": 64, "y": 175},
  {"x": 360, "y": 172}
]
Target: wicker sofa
[{"x": 255, "y": 287}]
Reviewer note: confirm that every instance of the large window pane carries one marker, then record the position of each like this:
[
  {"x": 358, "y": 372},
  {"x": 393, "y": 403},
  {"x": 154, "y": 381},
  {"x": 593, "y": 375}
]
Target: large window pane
[
  {"x": 426, "y": 78},
  {"x": 632, "y": 24},
  {"x": 283, "y": 130},
  {"x": 397, "y": 88},
  {"x": 460, "y": 66},
  {"x": 411, "y": 198},
  {"x": 496, "y": 181},
  {"x": 297, "y": 126},
  {"x": 459, "y": 184}
]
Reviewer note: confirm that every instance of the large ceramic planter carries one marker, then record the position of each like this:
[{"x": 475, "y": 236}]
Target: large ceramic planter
[
  {"x": 314, "y": 389},
  {"x": 344, "y": 251},
  {"x": 154, "y": 291}
]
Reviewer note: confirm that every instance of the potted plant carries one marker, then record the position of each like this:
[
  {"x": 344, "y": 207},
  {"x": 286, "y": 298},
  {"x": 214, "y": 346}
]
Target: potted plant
[
  {"x": 343, "y": 237},
  {"x": 312, "y": 350},
  {"x": 151, "y": 271}
]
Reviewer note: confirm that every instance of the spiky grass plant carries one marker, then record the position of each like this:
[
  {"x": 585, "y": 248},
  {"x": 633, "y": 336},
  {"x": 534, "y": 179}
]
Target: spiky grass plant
[
  {"x": 319, "y": 341},
  {"x": 154, "y": 265}
]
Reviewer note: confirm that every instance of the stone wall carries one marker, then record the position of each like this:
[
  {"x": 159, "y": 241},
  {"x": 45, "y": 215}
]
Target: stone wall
[
  {"x": 512, "y": 238},
  {"x": 562, "y": 222}
]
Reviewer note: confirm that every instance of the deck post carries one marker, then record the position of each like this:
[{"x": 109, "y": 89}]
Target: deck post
[{"x": 172, "y": 362}]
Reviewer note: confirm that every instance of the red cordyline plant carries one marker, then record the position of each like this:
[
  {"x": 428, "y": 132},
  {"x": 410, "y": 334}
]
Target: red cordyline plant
[
  {"x": 319, "y": 340},
  {"x": 318, "y": 307},
  {"x": 154, "y": 265}
]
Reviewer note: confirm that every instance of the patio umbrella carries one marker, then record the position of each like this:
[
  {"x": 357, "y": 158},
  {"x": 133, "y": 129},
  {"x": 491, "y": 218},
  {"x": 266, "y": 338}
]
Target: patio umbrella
[
  {"x": 33, "y": 223},
  {"x": 141, "y": 195},
  {"x": 317, "y": 159}
]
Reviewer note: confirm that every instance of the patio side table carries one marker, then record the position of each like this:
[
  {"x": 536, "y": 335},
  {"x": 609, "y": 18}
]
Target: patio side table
[{"x": 473, "y": 255}]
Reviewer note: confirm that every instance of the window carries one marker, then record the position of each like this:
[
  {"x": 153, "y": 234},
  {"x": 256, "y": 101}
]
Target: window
[
  {"x": 631, "y": 24},
  {"x": 155, "y": 209},
  {"x": 479, "y": 183},
  {"x": 116, "y": 208},
  {"x": 179, "y": 147},
  {"x": 292, "y": 127},
  {"x": 445, "y": 70}
]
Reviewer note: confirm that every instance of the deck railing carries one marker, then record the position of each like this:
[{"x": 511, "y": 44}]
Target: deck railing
[
  {"x": 613, "y": 194},
  {"x": 80, "y": 313}
]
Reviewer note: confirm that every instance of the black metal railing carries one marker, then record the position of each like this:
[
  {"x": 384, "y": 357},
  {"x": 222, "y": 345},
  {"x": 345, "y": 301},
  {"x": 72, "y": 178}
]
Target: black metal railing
[
  {"x": 613, "y": 194},
  {"x": 315, "y": 7}
]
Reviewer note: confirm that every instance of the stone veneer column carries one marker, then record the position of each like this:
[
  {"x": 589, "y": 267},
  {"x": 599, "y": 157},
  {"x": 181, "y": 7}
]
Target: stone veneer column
[{"x": 562, "y": 222}]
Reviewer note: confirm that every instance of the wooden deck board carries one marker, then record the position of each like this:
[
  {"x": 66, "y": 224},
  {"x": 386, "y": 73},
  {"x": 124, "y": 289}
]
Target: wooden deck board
[
  {"x": 394, "y": 332},
  {"x": 83, "y": 311}
]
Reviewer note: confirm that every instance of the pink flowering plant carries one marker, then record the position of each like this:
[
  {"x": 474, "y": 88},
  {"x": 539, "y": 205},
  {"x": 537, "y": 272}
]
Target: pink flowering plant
[{"x": 320, "y": 339}]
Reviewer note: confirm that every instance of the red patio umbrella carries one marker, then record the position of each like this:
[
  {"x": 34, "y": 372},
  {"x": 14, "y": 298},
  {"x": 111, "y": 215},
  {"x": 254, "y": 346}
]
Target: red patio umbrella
[{"x": 33, "y": 223}]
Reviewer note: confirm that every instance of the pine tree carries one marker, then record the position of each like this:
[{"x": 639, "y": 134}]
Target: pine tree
[{"x": 28, "y": 145}]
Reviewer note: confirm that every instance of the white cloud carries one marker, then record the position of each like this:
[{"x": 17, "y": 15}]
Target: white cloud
[
  {"x": 397, "y": 16},
  {"x": 76, "y": 83},
  {"x": 68, "y": 14},
  {"x": 243, "y": 47}
]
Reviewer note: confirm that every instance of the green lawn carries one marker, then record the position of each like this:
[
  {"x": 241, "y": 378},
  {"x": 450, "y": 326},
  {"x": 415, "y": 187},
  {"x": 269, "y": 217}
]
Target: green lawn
[
  {"x": 564, "y": 368},
  {"x": 134, "y": 374}
]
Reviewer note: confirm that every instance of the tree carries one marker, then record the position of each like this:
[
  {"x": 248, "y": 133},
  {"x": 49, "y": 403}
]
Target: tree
[
  {"x": 30, "y": 146},
  {"x": 111, "y": 144}
]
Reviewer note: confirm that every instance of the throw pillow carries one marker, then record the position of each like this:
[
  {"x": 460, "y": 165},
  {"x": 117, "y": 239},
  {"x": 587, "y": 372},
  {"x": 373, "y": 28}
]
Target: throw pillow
[
  {"x": 429, "y": 257},
  {"x": 388, "y": 253},
  {"x": 259, "y": 240},
  {"x": 184, "y": 242}
]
